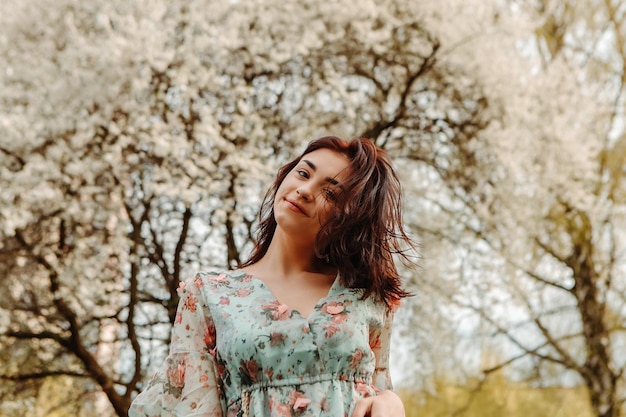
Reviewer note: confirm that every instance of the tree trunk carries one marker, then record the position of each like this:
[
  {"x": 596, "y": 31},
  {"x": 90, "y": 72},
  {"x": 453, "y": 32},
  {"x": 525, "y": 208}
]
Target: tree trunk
[{"x": 600, "y": 379}]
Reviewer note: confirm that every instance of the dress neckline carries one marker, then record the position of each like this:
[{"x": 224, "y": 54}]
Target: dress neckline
[{"x": 318, "y": 304}]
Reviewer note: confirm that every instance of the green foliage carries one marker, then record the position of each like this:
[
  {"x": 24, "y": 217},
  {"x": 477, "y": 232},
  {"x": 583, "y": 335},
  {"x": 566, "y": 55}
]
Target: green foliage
[{"x": 497, "y": 396}]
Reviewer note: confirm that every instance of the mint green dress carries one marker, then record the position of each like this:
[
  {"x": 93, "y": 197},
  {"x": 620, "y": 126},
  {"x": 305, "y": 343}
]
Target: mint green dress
[{"x": 236, "y": 351}]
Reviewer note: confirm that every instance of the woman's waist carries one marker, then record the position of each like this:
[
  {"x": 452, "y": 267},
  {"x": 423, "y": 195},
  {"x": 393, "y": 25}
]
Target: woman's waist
[
  {"x": 313, "y": 391},
  {"x": 290, "y": 381}
]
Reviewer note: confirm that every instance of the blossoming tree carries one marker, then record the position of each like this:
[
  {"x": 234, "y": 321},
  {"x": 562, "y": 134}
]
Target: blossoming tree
[{"x": 137, "y": 138}]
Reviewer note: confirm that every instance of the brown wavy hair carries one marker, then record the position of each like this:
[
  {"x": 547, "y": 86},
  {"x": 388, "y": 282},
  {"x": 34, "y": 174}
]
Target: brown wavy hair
[{"x": 365, "y": 229}]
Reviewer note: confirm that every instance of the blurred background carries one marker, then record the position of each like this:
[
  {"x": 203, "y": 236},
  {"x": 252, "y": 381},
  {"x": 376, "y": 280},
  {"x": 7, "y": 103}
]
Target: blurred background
[{"x": 137, "y": 138}]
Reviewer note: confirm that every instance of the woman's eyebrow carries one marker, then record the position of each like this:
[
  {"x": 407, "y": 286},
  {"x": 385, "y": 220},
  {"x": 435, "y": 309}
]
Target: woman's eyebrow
[
  {"x": 327, "y": 179},
  {"x": 310, "y": 164}
]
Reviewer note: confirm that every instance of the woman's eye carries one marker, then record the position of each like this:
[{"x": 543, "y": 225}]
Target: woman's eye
[
  {"x": 330, "y": 195},
  {"x": 302, "y": 173}
]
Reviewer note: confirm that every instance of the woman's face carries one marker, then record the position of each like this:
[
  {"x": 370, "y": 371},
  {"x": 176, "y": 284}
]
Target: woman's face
[{"x": 304, "y": 198}]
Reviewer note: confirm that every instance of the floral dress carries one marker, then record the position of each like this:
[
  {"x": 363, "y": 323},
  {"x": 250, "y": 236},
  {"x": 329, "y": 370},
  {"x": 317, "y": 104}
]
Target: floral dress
[{"x": 236, "y": 351}]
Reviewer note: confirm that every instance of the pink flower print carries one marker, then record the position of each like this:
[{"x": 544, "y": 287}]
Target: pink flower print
[
  {"x": 251, "y": 368},
  {"x": 283, "y": 410},
  {"x": 243, "y": 292},
  {"x": 394, "y": 304},
  {"x": 224, "y": 300},
  {"x": 198, "y": 282},
  {"x": 333, "y": 308},
  {"x": 301, "y": 402},
  {"x": 209, "y": 336},
  {"x": 356, "y": 358},
  {"x": 234, "y": 410},
  {"x": 331, "y": 329},
  {"x": 277, "y": 338},
  {"x": 221, "y": 278},
  {"x": 221, "y": 369},
  {"x": 339, "y": 318},
  {"x": 279, "y": 408},
  {"x": 281, "y": 310},
  {"x": 375, "y": 343},
  {"x": 178, "y": 319},
  {"x": 191, "y": 303},
  {"x": 181, "y": 288},
  {"x": 277, "y": 310},
  {"x": 176, "y": 376}
]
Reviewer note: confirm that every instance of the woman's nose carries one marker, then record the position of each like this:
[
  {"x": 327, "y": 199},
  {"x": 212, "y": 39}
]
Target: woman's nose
[{"x": 304, "y": 193}]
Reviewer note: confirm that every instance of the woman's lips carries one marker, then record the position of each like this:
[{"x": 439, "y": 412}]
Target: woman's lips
[{"x": 296, "y": 207}]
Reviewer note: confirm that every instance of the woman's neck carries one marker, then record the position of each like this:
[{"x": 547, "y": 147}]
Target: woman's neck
[{"x": 284, "y": 256}]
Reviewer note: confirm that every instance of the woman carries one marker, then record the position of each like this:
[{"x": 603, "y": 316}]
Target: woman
[{"x": 303, "y": 327}]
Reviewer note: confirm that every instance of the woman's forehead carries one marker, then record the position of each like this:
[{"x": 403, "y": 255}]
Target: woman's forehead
[{"x": 328, "y": 162}]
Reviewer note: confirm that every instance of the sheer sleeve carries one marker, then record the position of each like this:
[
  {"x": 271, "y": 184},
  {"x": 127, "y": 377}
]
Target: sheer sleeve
[
  {"x": 380, "y": 343},
  {"x": 186, "y": 384}
]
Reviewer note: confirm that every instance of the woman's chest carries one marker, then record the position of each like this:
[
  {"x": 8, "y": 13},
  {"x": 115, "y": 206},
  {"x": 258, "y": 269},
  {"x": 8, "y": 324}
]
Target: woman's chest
[{"x": 252, "y": 324}]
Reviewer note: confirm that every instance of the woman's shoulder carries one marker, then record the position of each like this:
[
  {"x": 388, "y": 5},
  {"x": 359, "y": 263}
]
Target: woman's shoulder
[
  {"x": 215, "y": 286},
  {"x": 220, "y": 277}
]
